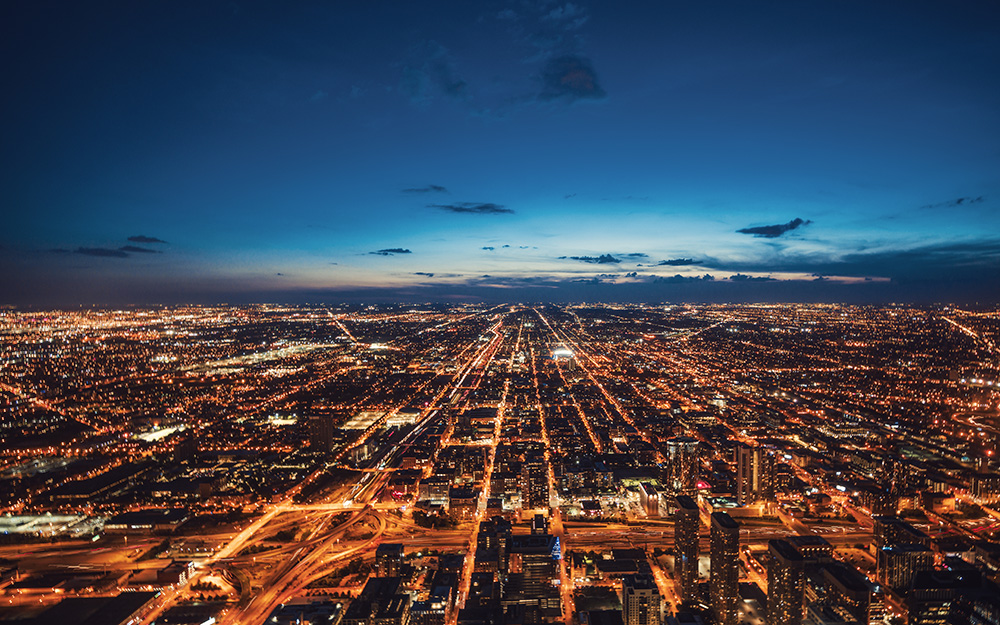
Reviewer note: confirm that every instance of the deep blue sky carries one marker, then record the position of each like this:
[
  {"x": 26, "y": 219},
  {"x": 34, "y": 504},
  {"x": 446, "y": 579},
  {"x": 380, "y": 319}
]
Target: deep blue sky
[{"x": 523, "y": 151}]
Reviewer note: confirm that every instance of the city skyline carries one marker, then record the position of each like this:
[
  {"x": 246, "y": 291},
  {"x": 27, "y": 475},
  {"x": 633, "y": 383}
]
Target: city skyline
[
  {"x": 162, "y": 154},
  {"x": 490, "y": 464}
]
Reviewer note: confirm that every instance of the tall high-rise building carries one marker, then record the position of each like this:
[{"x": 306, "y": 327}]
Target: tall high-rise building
[
  {"x": 723, "y": 581},
  {"x": 785, "y": 586},
  {"x": 649, "y": 498},
  {"x": 495, "y": 534},
  {"x": 539, "y": 524},
  {"x": 389, "y": 559},
  {"x": 851, "y": 588},
  {"x": 686, "y": 521},
  {"x": 768, "y": 482},
  {"x": 755, "y": 474},
  {"x": 534, "y": 482},
  {"x": 744, "y": 474},
  {"x": 640, "y": 600},
  {"x": 535, "y": 558},
  {"x": 680, "y": 474},
  {"x": 896, "y": 565},
  {"x": 321, "y": 433}
]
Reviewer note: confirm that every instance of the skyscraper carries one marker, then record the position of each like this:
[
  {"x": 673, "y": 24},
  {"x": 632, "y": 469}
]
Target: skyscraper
[
  {"x": 535, "y": 558},
  {"x": 388, "y": 559},
  {"x": 321, "y": 432},
  {"x": 723, "y": 582},
  {"x": 755, "y": 474},
  {"x": 681, "y": 470},
  {"x": 640, "y": 600},
  {"x": 534, "y": 482},
  {"x": 686, "y": 547},
  {"x": 784, "y": 584}
]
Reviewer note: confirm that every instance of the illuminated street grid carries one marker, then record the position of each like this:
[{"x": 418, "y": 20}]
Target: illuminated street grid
[{"x": 234, "y": 419}]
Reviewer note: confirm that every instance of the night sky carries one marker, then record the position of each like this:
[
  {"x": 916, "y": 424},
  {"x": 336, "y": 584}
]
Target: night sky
[{"x": 175, "y": 152}]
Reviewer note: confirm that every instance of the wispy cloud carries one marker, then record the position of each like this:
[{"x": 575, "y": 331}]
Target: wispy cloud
[
  {"x": 771, "y": 232},
  {"x": 101, "y": 252},
  {"x": 570, "y": 77},
  {"x": 962, "y": 201},
  {"x": 423, "y": 273},
  {"x": 432, "y": 73},
  {"x": 431, "y": 188},
  {"x": 572, "y": 16},
  {"x": 946, "y": 262},
  {"x": 603, "y": 259},
  {"x": 141, "y": 238},
  {"x": 740, "y": 277},
  {"x": 139, "y": 250},
  {"x": 476, "y": 208},
  {"x": 676, "y": 262},
  {"x": 391, "y": 251},
  {"x": 679, "y": 279},
  {"x": 488, "y": 248}
]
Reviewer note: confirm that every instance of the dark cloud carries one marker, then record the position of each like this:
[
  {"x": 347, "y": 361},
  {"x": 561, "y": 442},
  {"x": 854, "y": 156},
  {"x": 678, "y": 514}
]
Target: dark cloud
[
  {"x": 740, "y": 277},
  {"x": 279, "y": 274},
  {"x": 570, "y": 77},
  {"x": 569, "y": 195},
  {"x": 138, "y": 250},
  {"x": 637, "y": 255},
  {"x": 141, "y": 238},
  {"x": 679, "y": 279},
  {"x": 423, "y": 273},
  {"x": 431, "y": 188},
  {"x": 488, "y": 248},
  {"x": 676, "y": 262},
  {"x": 962, "y": 201},
  {"x": 951, "y": 264},
  {"x": 100, "y": 251},
  {"x": 60, "y": 250},
  {"x": 390, "y": 251},
  {"x": 477, "y": 208},
  {"x": 603, "y": 259},
  {"x": 771, "y": 232},
  {"x": 505, "y": 245}
]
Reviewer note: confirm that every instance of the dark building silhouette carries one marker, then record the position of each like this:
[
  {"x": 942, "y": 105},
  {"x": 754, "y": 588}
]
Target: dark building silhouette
[
  {"x": 686, "y": 523},
  {"x": 723, "y": 583},
  {"x": 784, "y": 584},
  {"x": 389, "y": 559},
  {"x": 534, "y": 482},
  {"x": 380, "y": 601},
  {"x": 321, "y": 433}
]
